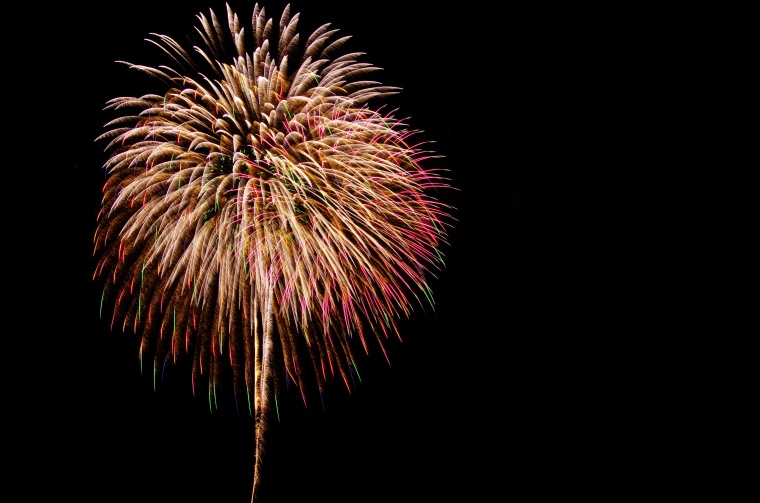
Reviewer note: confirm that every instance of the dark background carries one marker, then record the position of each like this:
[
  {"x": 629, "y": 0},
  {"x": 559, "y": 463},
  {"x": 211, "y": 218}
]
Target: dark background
[{"x": 505, "y": 390}]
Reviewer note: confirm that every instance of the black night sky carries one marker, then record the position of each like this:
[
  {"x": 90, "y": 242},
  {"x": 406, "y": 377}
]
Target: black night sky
[{"x": 491, "y": 396}]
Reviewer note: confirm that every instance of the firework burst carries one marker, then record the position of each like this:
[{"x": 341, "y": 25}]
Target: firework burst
[{"x": 260, "y": 215}]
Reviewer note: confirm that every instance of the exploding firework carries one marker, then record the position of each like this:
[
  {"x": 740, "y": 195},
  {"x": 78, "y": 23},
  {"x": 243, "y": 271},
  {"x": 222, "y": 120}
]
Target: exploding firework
[{"x": 261, "y": 216}]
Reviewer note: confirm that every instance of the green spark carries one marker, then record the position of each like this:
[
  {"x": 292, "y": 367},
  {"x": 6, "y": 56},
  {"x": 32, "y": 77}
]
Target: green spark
[
  {"x": 429, "y": 296},
  {"x": 356, "y": 369},
  {"x": 439, "y": 256}
]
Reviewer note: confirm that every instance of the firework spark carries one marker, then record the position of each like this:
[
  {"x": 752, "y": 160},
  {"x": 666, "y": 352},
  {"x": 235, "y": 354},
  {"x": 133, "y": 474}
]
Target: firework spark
[{"x": 260, "y": 216}]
